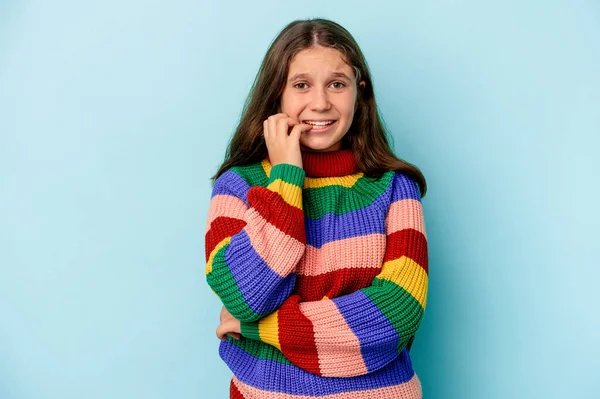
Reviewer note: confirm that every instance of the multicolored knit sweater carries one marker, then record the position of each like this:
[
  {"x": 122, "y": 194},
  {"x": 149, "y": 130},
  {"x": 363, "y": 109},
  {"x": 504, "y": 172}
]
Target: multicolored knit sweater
[{"x": 327, "y": 271}]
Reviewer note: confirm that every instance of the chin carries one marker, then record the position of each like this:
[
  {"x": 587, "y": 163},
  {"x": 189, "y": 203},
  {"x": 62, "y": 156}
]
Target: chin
[{"x": 319, "y": 145}]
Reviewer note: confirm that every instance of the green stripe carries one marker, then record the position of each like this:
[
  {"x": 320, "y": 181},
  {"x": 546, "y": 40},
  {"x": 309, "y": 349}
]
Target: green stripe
[
  {"x": 339, "y": 200},
  {"x": 253, "y": 174},
  {"x": 250, "y": 330},
  {"x": 288, "y": 173},
  {"x": 223, "y": 283},
  {"x": 397, "y": 308},
  {"x": 323, "y": 200},
  {"x": 260, "y": 350},
  {"x": 372, "y": 187}
]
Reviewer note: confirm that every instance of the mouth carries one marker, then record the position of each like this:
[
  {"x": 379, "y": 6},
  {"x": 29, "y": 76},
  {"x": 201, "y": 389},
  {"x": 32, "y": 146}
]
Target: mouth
[{"x": 320, "y": 126}]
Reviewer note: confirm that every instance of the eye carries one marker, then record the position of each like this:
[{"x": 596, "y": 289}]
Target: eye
[
  {"x": 340, "y": 85},
  {"x": 300, "y": 83}
]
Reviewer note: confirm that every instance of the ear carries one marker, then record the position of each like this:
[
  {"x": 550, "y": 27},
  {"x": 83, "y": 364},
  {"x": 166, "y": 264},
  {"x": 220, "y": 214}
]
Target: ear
[{"x": 362, "y": 85}]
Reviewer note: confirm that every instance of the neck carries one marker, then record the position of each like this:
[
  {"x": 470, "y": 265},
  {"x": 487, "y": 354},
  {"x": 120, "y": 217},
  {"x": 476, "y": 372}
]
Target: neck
[{"x": 329, "y": 164}]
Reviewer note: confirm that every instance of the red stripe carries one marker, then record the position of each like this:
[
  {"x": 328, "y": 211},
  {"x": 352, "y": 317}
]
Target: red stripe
[
  {"x": 410, "y": 243},
  {"x": 296, "y": 336},
  {"x": 337, "y": 283},
  {"x": 234, "y": 392},
  {"x": 328, "y": 164},
  {"x": 271, "y": 206},
  {"x": 221, "y": 228}
]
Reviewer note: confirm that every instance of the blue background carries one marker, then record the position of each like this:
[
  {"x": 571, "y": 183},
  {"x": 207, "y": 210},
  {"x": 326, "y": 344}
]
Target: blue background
[{"x": 114, "y": 114}]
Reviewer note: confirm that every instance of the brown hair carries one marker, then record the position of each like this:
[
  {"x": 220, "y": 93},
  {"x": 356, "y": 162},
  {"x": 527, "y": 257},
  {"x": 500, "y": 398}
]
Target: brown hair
[{"x": 367, "y": 137}]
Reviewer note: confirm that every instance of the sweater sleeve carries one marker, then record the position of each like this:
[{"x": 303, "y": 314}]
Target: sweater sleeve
[
  {"x": 254, "y": 239},
  {"x": 363, "y": 331}
]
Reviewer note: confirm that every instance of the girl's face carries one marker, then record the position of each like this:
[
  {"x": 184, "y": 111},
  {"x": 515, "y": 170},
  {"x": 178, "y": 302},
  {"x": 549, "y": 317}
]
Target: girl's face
[{"x": 321, "y": 91}]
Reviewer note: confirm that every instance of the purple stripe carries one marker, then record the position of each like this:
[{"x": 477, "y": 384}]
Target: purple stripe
[
  {"x": 404, "y": 188},
  {"x": 330, "y": 227},
  {"x": 262, "y": 288},
  {"x": 377, "y": 336},
  {"x": 273, "y": 376},
  {"x": 231, "y": 183},
  {"x": 364, "y": 221}
]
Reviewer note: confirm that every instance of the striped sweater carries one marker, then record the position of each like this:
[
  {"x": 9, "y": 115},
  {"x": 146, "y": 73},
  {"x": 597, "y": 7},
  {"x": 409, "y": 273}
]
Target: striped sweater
[{"x": 327, "y": 271}]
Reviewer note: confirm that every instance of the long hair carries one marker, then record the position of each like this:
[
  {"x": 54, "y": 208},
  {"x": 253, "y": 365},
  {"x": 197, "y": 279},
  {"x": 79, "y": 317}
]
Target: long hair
[{"x": 367, "y": 136}]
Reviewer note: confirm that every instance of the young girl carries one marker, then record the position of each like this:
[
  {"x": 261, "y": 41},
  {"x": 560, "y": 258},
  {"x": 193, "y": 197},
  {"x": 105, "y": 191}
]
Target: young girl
[{"x": 315, "y": 237}]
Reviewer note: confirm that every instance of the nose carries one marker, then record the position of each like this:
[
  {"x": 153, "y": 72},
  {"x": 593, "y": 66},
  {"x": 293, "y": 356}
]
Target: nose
[{"x": 319, "y": 100}]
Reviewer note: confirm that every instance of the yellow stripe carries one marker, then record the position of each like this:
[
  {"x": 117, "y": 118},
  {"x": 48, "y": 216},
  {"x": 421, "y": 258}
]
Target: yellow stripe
[
  {"x": 409, "y": 275},
  {"x": 268, "y": 329},
  {"x": 220, "y": 245},
  {"x": 318, "y": 182},
  {"x": 344, "y": 181},
  {"x": 266, "y": 167},
  {"x": 291, "y": 193}
]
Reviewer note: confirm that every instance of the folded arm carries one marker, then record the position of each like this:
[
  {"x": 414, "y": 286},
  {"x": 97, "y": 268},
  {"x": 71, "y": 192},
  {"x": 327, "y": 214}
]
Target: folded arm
[
  {"x": 254, "y": 239},
  {"x": 363, "y": 331}
]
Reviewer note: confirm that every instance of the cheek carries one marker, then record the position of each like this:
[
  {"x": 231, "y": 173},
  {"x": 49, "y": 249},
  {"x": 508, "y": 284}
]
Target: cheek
[
  {"x": 290, "y": 111},
  {"x": 349, "y": 115},
  {"x": 290, "y": 105},
  {"x": 347, "y": 106}
]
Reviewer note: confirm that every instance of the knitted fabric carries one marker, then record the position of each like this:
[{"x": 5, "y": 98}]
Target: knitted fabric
[{"x": 327, "y": 271}]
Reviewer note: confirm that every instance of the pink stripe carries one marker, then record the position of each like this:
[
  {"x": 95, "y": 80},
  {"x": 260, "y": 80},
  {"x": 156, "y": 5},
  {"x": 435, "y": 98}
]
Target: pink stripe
[
  {"x": 405, "y": 214},
  {"x": 279, "y": 250},
  {"x": 337, "y": 346},
  {"x": 356, "y": 252},
  {"x": 225, "y": 205},
  {"x": 409, "y": 390}
]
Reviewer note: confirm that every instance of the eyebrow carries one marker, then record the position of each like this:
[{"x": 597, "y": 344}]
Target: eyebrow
[{"x": 305, "y": 75}]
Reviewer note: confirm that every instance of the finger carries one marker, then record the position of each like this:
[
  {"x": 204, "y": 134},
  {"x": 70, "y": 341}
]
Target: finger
[
  {"x": 235, "y": 335},
  {"x": 276, "y": 123},
  {"x": 292, "y": 121},
  {"x": 221, "y": 332},
  {"x": 297, "y": 130},
  {"x": 228, "y": 327},
  {"x": 272, "y": 121},
  {"x": 265, "y": 129},
  {"x": 226, "y": 316},
  {"x": 283, "y": 127},
  {"x": 284, "y": 124},
  {"x": 272, "y": 126},
  {"x": 279, "y": 116}
]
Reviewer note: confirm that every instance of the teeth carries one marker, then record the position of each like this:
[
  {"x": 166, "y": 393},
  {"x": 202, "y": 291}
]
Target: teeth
[{"x": 325, "y": 123}]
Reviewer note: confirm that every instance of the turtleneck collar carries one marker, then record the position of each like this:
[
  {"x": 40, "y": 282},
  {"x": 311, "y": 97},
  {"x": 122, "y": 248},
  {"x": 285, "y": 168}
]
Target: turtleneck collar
[{"x": 329, "y": 164}]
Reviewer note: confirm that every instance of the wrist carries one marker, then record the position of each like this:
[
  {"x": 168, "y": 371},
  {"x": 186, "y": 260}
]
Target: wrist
[
  {"x": 250, "y": 330},
  {"x": 292, "y": 174}
]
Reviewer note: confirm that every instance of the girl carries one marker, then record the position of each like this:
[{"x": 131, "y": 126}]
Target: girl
[{"x": 315, "y": 237}]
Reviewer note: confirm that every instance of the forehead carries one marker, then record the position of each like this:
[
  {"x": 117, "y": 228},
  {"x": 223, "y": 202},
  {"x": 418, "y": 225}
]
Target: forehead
[{"x": 318, "y": 60}]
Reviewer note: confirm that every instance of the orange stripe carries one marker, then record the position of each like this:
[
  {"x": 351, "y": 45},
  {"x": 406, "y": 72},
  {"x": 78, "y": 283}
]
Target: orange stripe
[
  {"x": 279, "y": 250},
  {"x": 355, "y": 252},
  {"x": 409, "y": 390},
  {"x": 342, "y": 358},
  {"x": 405, "y": 214},
  {"x": 225, "y": 205}
]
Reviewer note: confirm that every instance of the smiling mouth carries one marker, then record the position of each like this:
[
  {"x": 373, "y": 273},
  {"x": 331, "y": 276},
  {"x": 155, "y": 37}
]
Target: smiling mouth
[
  {"x": 319, "y": 126},
  {"x": 319, "y": 123}
]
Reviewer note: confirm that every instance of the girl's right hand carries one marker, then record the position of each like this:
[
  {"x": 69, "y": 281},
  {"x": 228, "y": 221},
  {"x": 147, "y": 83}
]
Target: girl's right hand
[
  {"x": 229, "y": 325},
  {"x": 283, "y": 147}
]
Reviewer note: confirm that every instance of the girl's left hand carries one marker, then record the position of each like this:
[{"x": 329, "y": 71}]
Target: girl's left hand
[{"x": 229, "y": 326}]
